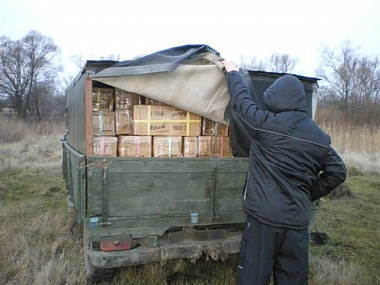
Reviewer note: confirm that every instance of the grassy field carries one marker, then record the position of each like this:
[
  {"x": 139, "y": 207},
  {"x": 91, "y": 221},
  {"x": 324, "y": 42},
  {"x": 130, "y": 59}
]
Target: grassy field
[{"x": 40, "y": 244}]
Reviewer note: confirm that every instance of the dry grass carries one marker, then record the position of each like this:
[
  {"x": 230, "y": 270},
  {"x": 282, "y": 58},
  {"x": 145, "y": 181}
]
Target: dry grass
[
  {"x": 338, "y": 272},
  {"x": 359, "y": 146},
  {"x": 30, "y": 145},
  {"x": 40, "y": 245},
  {"x": 352, "y": 223}
]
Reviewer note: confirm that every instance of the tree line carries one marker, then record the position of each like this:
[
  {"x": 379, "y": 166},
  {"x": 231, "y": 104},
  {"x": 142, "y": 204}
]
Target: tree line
[{"x": 30, "y": 83}]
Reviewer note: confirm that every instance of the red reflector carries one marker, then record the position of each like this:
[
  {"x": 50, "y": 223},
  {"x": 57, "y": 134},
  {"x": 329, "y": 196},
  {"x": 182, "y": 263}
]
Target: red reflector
[{"x": 116, "y": 243}]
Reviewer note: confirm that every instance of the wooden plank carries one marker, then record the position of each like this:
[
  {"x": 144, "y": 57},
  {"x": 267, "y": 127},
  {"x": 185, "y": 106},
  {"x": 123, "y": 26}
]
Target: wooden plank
[
  {"x": 161, "y": 208},
  {"x": 88, "y": 114},
  {"x": 231, "y": 217},
  {"x": 76, "y": 116},
  {"x": 145, "y": 226},
  {"x": 141, "y": 165},
  {"x": 76, "y": 180},
  {"x": 153, "y": 201},
  {"x": 227, "y": 205},
  {"x": 233, "y": 164},
  {"x": 172, "y": 179},
  {"x": 154, "y": 165},
  {"x": 129, "y": 182},
  {"x": 169, "y": 193},
  {"x": 231, "y": 180}
]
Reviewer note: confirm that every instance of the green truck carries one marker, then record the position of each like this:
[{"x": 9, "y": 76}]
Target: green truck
[{"x": 141, "y": 210}]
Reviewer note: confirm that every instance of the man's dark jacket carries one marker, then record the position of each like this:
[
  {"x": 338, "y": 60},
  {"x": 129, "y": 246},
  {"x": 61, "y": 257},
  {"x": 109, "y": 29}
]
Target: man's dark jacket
[{"x": 291, "y": 160}]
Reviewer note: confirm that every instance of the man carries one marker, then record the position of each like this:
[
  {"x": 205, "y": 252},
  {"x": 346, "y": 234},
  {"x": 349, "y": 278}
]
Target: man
[{"x": 291, "y": 165}]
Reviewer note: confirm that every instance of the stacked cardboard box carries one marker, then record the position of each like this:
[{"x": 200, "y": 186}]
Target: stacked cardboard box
[
  {"x": 207, "y": 146},
  {"x": 102, "y": 99},
  {"x": 105, "y": 146},
  {"x": 124, "y": 107},
  {"x": 103, "y": 123},
  {"x": 134, "y": 146},
  {"x": 212, "y": 128},
  {"x": 124, "y": 121},
  {"x": 141, "y": 127},
  {"x": 158, "y": 120},
  {"x": 127, "y": 100},
  {"x": 167, "y": 146}
]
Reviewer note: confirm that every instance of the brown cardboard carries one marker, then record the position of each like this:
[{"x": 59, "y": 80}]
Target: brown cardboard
[
  {"x": 214, "y": 146},
  {"x": 220, "y": 146},
  {"x": 135, "y": 146},
  {"x": 124, "y": 122},
  {"x": 170, "y": 146},
  {"x": 104, "y": 146},
  {"x": 204, "y": 146},
  {"x": 213, "y": 128},
  {"x": 102, "y": 99},
  {"x": 165, "y": 121},
  {"x": 190, "y": 146},
  {"x": 126, "y": 100},
  {"x": 103, "y": 123}
]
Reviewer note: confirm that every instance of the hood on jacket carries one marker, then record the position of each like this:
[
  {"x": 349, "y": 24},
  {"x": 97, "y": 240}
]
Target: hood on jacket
[{"x": 285, "y": 94}]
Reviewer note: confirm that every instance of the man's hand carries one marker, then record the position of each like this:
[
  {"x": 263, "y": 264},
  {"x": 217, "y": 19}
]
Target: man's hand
[{"x": 230, "y": 66}]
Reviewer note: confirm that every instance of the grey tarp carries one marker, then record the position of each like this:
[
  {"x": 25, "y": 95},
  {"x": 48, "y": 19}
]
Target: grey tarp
[{"x": 188, "y": 77}]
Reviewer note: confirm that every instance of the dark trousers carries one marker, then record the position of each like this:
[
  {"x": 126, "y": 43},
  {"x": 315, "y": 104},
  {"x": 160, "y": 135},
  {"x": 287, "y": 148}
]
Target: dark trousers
[{"x": 266, "y": 250}]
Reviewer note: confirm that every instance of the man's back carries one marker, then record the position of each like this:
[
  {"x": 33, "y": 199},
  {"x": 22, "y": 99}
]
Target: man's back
[{"x": 288, "y": 152}]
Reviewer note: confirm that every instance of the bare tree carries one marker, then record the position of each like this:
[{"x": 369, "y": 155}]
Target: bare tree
[
  {"x": 252, "y": 63},
  {"x": 78, "y": 61},
  {"x": 24, "y": 65},
  {"x": 283, "y": 63},
  {"x": 354, "y": 79}
]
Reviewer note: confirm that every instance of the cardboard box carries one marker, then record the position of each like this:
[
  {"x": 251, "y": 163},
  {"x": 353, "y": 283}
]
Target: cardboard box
[
  {"x": 204, "y": 146},
  {"x": 165, "y": 121},
  {"x": 126, "y": 100},
  {"x": 124, "y": 122},
  {"x": 170, "y": 146},
  {"x": 214, "y": 146},
  {"x": 190, "y": 146},
  {"x": 104, "y": 146},
  {"x": 103, "y": 123},
  {"x": 220, "y": 146},
  {"x": 213, "y": 128},
  {"x": 102, "y": 99},
  {"x": 134, "y": 146}
]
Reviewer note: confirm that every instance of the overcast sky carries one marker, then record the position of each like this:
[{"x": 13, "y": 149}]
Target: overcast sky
[{"x": 92, "y": 29}]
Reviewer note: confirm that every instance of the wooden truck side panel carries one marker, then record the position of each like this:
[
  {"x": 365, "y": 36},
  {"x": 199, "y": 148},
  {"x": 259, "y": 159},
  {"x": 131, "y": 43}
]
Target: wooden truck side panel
[
  {"x": 148, "y": 196},
  {"x": 74, "y": 173},
  {"x": 76, "y": 115}
]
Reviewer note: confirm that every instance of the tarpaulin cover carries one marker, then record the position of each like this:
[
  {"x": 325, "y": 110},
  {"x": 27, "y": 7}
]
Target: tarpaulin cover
[{"x": 189, "y": 77}]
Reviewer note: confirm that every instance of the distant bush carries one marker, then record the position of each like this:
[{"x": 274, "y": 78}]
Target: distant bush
[{"x": 12, "y": 130}]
